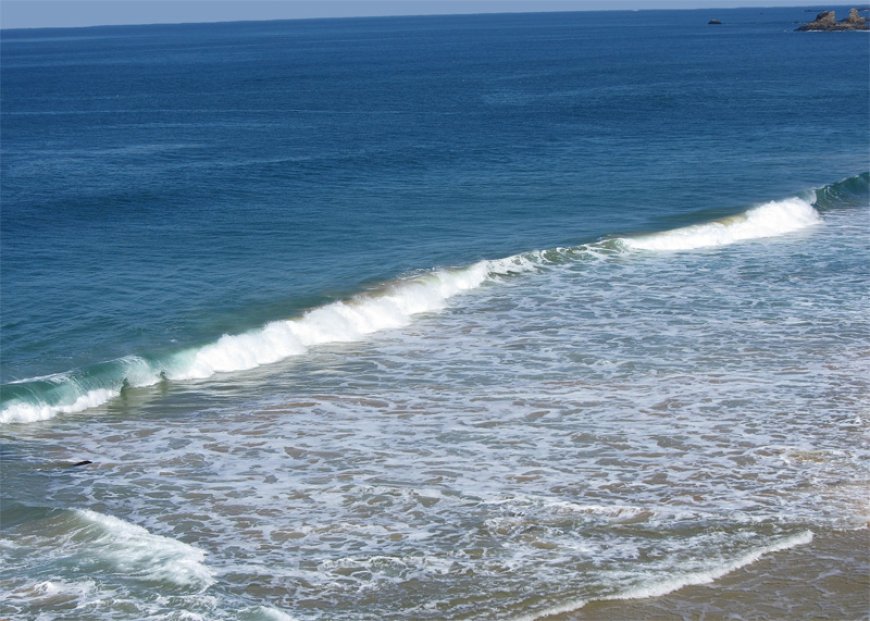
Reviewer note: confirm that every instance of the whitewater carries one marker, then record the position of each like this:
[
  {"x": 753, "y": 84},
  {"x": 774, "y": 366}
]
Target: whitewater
[
  {"x": 457, "y": 318},
  {"x": 391, "y": 306}
]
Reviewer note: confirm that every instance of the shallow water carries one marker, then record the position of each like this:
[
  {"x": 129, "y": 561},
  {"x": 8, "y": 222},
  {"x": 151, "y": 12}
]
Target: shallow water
[
  {"x": 636, "y": 422},
  {"x": 464, "y": 412}
]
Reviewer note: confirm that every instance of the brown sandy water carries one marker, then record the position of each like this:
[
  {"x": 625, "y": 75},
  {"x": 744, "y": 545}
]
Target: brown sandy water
[{"x": 826, "y": 579}]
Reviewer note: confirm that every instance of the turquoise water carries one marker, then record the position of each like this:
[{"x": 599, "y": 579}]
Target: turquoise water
[{"x": 436, "y": 317}]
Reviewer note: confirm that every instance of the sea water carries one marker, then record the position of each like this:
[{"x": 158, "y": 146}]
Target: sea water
[{"x": 464, "y": 317}]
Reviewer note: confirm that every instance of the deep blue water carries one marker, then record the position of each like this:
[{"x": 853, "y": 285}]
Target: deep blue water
[
  {"x": 472, "y": 317},
  {"x": 163, "y": 185}
]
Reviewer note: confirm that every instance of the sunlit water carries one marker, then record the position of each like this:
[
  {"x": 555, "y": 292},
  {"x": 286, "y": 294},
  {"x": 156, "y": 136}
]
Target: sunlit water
[{"x": 596, "y": 400}]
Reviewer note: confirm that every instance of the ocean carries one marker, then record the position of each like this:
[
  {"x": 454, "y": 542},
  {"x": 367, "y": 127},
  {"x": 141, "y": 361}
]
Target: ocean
[{"x": 443, "y": 317}]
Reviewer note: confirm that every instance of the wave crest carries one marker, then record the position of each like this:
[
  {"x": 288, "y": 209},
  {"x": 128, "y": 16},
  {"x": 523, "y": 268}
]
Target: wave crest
[
  {"x": 769, "y": 220},
  {"x": 391, "y": 307},
  {"x": 139, "y": 553},
  {"x": 394, "y": 306}
]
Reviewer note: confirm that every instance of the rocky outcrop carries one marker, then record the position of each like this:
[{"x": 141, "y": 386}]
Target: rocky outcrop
[{"x": 827, "y": 21}]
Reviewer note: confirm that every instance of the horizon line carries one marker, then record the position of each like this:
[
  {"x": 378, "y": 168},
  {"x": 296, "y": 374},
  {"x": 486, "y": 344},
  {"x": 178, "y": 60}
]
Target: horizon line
[{"x": 308, "y": 18}]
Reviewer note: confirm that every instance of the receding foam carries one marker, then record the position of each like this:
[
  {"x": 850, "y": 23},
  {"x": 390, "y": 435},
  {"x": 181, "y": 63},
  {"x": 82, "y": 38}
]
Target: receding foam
[{"x": 659, "y": 587}]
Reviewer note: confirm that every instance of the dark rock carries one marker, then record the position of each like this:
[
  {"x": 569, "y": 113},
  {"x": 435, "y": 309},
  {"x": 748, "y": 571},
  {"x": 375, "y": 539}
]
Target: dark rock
[
  {"x": 827, "y": 21},
  {"x": 827, "y": 18}
]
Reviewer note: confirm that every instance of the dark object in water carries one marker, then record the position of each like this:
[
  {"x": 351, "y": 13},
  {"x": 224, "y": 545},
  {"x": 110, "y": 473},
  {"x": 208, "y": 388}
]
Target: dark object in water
[
  {"x": 714, "y": 22},
  {"x": 82, "y": 463},
  {"x": 827, "y": 21}
]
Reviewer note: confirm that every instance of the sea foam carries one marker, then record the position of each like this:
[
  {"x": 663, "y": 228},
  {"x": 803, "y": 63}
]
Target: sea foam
[
  {"x": 659, "y": 587},
  {"x": 768, "y": 220},
  {"x": 393, "y": 306},
  {"x": 137, "y": 553}
]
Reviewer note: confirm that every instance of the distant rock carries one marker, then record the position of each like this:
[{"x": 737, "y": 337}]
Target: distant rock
[{"x": 827, "y": 21}]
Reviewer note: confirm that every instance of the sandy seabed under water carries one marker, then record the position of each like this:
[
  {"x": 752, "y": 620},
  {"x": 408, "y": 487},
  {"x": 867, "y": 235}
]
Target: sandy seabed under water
[{"x": 827, "y": 579}]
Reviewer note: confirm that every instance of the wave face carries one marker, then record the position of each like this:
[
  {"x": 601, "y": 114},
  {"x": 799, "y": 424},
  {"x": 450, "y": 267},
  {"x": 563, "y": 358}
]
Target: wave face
[
  {"x": 392, "y": 306},
  {"x": 847, "y": 193},
  {"x": 768, "y": 220}
]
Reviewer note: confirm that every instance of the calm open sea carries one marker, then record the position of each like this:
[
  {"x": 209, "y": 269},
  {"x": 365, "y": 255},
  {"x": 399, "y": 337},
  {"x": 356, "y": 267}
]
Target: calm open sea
[{"x": 472, "y": 317}]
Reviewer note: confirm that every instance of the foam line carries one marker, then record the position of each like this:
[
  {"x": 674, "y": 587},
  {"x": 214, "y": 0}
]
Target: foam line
[
  {"x": 394, "y": 306},
  {"x": 138, "y": 553},
  {"x": 657, "y": 588},
  {"x": 768, "y": 220}
]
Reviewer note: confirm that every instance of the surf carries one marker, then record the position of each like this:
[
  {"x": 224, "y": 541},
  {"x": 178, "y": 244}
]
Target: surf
[
  {"x": 769, "y": 220},
  {"x": 99, "y": 544},
  {"x": 392, "y": 306},
  {"x": 662, "y": 586},
  {"x": 396, "y": 304}
]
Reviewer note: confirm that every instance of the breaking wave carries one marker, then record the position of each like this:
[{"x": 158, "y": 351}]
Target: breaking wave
[
  {"x": 104, "y": 548},
  {"x": 768, "y": 220},
  {"x": 392, "y": 306},
  {"x": 137, "y": 553}
]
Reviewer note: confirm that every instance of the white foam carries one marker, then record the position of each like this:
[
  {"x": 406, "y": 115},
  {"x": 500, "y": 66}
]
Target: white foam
[
  {"x": 674, "y": 583},
  {"x": 50, "y": 593},
  {"x": 265, "y": 613},
  {"x": 340, "y": 322},
  {"x": 344, "y": 321},
  {"x": 24, "y": 412},
  {"x": 664, "y": 587},
  {"x": 769, "y": 220},
  {"x": 138, "y": 553},
  {"x": 544, "y": 507}
]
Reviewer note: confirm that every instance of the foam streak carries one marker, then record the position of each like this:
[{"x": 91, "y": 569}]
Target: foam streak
[{"x": 674, "y": 583}]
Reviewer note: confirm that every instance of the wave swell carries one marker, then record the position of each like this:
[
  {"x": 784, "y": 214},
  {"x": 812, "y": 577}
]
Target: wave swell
[
  {"x": 394, "y": 305},
  {"x": 768, "y": 220}
]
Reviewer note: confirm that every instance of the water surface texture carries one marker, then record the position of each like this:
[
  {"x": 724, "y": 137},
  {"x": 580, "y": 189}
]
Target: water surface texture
[{"x": 473, "y": 317}]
